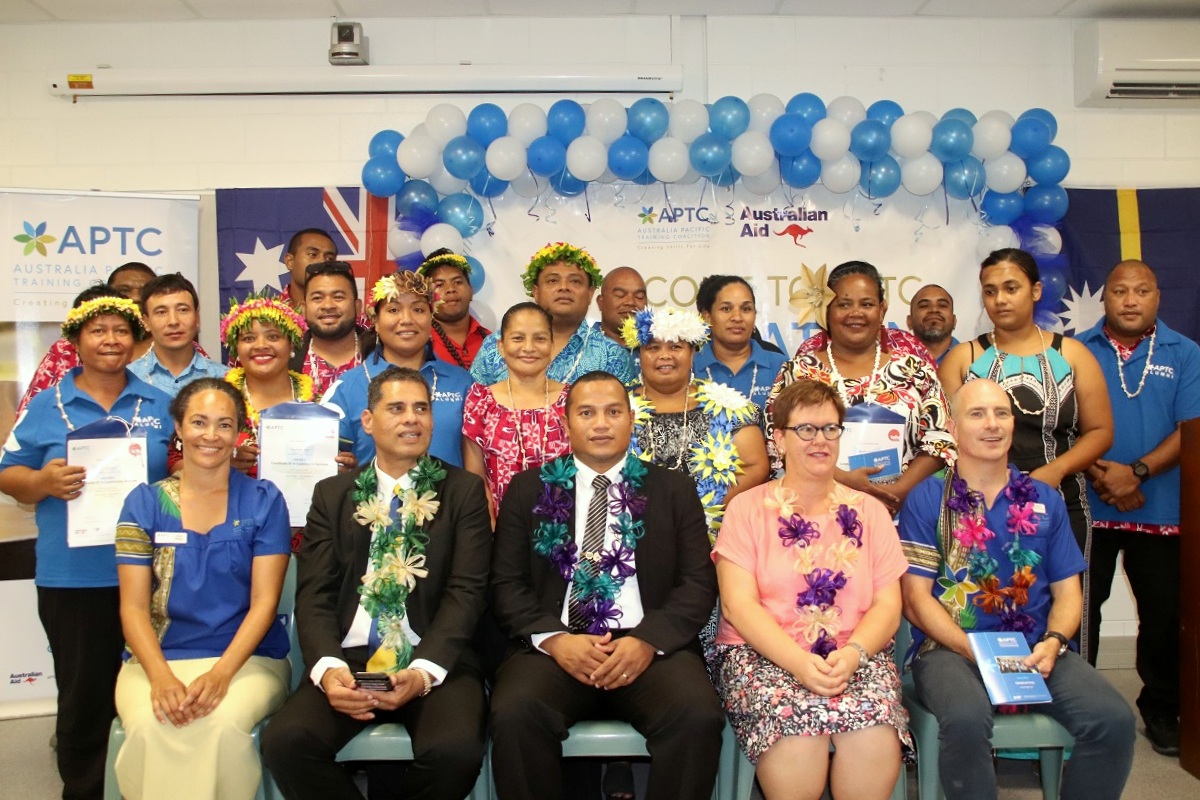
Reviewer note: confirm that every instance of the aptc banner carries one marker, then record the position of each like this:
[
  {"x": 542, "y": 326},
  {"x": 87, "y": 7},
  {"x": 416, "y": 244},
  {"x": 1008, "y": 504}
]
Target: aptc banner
[
  {"x": 56, "y": 244},
  {"x": 26, "y": 668}
]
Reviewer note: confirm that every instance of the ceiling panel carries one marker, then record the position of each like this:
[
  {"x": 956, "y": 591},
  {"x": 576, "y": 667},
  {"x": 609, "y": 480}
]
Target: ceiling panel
[
  {"x": 22, "y": 11},
  {"x": 560, "y": 8},
  {"x": 705, "y": 8},
  {"x": 263, "y": 9},
  {"x": 117, "y": 10},
  {"x": 1131, "y": 8},
  {"x": 367, "y": 9},
  {"x": 1009, "y": 8},
  {"x": 853, "y": 8}
]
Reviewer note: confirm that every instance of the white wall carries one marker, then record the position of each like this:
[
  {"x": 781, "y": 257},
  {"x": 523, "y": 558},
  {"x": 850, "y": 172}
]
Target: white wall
[{"x": 197, "y": 144}]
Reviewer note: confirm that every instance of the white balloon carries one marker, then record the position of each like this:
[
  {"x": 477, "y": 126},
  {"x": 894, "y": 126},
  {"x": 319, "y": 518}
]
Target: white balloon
[
  {"x": 764, "y": 109},
  {"x": 1001, "y": 116},
  {"x": 669, "y": 160},
  {"x": 928, "y": 116},
  {"x": 445, "y": 183},
  {"x": 847, "y": 110},
  {"x": 689, "y": 119},
  {"x": 911, "y": 135},
  {"x": 830, "y": 139},
  {"x": 587, "y": 158},
  {"x": 921, "y": 175},
  {"x": 992, "y": 136},
  {"x": 689, "y": 177},
  {"x": 505, "y": 158},
  {"x": 842, "y": 175},
  {"x": 419, "y": 156},
  {"x": 752, "y": 153},
  {"x": 441, "y": 235},
  {"x": 527, "y": 184},
  {"x": 765, "y": 183},
  {"x": 526, "y": 122},
  {"x": 401, "y": 242},
  {"x": 995, "y": 237},
  {"x": 1045, "y": 240},
  {"x": 606, "y": 120},
  {"x": 608, "y": 177},
  {"x": 1005, "y": 173},
  {"x": 445, "y": 121}
]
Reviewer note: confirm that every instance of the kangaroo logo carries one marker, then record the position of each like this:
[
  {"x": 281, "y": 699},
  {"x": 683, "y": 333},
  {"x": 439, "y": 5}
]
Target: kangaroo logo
[{"x": 795, "y": 231}]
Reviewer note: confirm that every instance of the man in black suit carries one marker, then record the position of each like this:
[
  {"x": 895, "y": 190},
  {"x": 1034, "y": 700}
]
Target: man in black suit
[
  {"x": 436, "y": 684},
  {"x": 627, "y": 651}
]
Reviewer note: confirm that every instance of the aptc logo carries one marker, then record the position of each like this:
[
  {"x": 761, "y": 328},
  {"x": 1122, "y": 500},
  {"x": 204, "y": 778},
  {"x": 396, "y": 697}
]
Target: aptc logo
[
  {"x": 35, "y": 238},
  {"x": 647, "y": 215}
]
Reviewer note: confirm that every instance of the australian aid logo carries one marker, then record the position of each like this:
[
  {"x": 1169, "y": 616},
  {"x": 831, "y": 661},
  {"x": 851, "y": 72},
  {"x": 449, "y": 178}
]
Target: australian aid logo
[{"x": 789, "y": 223}]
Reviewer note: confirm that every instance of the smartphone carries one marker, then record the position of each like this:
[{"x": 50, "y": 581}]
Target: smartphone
[{"x": 373, "y": 681}]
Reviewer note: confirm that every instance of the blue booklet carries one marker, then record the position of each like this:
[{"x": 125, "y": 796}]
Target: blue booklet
[{"x": 1001, "y": 658}]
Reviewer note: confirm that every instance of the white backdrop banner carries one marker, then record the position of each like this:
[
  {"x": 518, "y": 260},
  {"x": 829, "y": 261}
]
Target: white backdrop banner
[
  {"x": 56, "y": 244},
  {"x": 27, "y": 688}
]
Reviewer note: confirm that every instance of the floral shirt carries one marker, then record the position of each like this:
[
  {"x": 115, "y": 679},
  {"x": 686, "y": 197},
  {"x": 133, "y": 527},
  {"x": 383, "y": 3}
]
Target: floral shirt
[{"x": 587, "y": 350}]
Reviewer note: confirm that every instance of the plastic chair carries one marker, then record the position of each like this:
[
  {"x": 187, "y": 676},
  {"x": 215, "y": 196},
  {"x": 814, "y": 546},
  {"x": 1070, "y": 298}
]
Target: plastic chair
[{"x": 1029, "y": 731}]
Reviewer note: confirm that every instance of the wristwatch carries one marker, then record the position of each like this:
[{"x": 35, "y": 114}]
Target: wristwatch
[
  {"x": 1063, "y": 641},
  {"x": 1140, "y": 470}
]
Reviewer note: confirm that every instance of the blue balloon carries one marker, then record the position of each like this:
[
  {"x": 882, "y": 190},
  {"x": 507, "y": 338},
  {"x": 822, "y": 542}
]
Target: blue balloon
[
  {"x": 485, "y": 184},
  {"x": 1002, "y": 208},
  {"x": 952, "y": 140},
  {"x": 463, "y": 212},
  {"x": 565, "y": 121},
  {"x": 1045, "y": 204},
  {"x": 800, "y": 172},
  {"x": 382, "y": 176},
  {"x": 961, "y": 114},
  {"x": 1045, "y": 116},
  {"x": 886, "y": 111},
  {"x": 710, "y": 154},
  {"x": 807, "y": 105},
  {"x": 477, "y": 276},
  {"x": 567, "y": 184},
  {"x": 870, "y": 140},
  {"x": 547, "y": 155},
  {"x": 1050, "y": 167},
  {"x": 880, "y": 178},
  {"x": 727, "y": 177},
  {"x": 385, "y": 143},
  {"x": 1030, "y": 138},
  {"x": 964, "y": 178},
  {"x": 729, "y": 117},
  {"x": 1054, "y": 285},
  {"x": 463, "y": 157},
  {"x": 628, "y": 157},
  {"x": 648, "y": 119},
  {"x": 790, "y": 134},
  {"x": 416, "y": 194},
  {"x": 486, "y": 123},
  {"x": 645, "y": 179}
]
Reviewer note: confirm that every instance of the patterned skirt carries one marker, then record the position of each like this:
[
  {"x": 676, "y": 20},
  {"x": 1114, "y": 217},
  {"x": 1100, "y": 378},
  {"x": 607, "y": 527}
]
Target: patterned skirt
[{"x": 765, "y": 703}]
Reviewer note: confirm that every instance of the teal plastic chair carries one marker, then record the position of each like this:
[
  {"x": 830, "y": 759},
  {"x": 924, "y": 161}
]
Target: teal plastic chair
[{"x": 1029, "y": 731}]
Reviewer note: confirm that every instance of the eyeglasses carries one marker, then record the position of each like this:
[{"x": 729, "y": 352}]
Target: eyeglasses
[
  {"x": 809, "y": 432},
  {"x": 328, "y": 268}
]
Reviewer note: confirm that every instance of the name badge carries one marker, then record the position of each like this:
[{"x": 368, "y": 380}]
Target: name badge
[
  {"x": 170, "y": 537},
  {"x": 1039, "y": 508}
]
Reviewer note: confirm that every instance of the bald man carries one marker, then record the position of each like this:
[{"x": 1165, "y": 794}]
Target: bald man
[
  {"x": 1153, "y": 377},
  {"x": 622, "y": 294},
  {"x": 931, "y": 319}
]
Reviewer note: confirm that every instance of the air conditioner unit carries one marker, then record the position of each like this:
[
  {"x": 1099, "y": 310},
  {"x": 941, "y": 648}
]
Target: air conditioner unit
[{"x": 1138, "y": 63}]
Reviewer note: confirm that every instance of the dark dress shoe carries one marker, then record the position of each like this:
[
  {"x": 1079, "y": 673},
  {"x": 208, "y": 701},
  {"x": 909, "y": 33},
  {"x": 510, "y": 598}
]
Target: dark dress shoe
[{"x": 1163, "y": 733}]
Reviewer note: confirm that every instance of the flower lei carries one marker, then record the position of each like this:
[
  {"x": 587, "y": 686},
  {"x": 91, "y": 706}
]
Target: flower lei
[
  {"x": 77, "y": 317},
  {"x": 665, "y": 324},
  {"x": 397, "y": 551},
  {"x": 596, "y": 585},
  {"x": 302, "y": 389},
  {"x": 265, "y": 309},
  {"x": 714, "y": 462},
  {"x": 963, "y": 518},
  {"x": 820, "y": 619},
  {"x": 555, "y": 253},
  {"x": 444, "y": 259},
  {"x": 389, "y": 288}
]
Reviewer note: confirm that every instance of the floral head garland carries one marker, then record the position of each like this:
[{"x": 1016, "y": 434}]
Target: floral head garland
[
  {"x": 820, "y": 619},
  {"x": 77, "y": 317},
  {"x": 665, "y": 324},
  {"x": 560, "y": 252},
  {"x": 595, "y": 581},
  {"x": 397, "y": 552},
  {"x": 389, "y": 288},
  {"x": 444, "y": 260},
  {"x": 264, "y": 309},
  {"x": 964, "y": 535}
]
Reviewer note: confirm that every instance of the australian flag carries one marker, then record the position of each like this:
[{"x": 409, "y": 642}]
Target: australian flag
[
  {"x": 254, "y": 226},
  {"x": 1158, "y": 226}
]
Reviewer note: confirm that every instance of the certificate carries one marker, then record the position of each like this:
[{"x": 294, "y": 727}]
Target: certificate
[
  {"x": 298, "y": 446},
  {"x": 115, "y": 460},
  {"x": 874, "y": 437}
]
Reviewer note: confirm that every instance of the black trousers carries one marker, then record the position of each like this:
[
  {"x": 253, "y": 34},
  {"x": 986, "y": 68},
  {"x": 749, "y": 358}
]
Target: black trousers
[
  {"x": 83, "y": 627},
  {"x": 1152, "y": 564},
  {"x": 446, "y": 728},
  {"x": 672, "y": 704}
]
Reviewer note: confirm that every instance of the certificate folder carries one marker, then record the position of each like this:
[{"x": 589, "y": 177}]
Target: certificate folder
[
  {"x": 1001, "y": 656},
  {"x": 114, "y": 454},
  {"x": 298, "y": 446}
]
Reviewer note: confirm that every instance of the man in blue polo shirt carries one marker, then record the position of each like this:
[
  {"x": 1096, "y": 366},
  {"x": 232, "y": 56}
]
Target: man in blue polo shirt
[
  {"x": 931, "y": 319},
  {"x": 171, "y": 312},
  {"x": 1153, "y": 377}
]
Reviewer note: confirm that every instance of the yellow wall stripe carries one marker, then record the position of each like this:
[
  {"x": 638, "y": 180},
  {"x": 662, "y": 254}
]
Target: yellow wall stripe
[{"x": 1131, "y": 224}]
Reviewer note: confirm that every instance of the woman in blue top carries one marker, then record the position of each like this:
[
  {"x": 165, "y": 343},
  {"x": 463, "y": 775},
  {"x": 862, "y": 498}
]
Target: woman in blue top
[
  {"x": 77, "y": 586},
  {"x": 201, "y": 558}
]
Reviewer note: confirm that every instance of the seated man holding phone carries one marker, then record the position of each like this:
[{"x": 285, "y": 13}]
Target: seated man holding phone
[{"x": 392, "y": 580}]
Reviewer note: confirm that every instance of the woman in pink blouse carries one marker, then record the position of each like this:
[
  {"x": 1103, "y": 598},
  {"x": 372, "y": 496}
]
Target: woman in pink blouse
[{"x": 809, "y": 572}]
